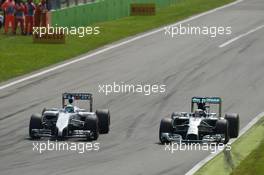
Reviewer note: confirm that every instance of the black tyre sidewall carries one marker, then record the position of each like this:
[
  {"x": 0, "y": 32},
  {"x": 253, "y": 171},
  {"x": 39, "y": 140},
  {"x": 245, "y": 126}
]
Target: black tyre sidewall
[
  {"x": 222, "y": 128},
  {"x": 233, "y": 121},
  {"x": 103, "y": 120},
  {"x": 91, "y": 124},
  {"x": 165, "y": 127},
  {"x": 35, "y": 123}
]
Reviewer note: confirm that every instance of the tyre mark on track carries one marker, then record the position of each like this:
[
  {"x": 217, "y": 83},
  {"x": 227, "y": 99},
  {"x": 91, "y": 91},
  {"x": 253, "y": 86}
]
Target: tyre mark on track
[
  {"x": 30, "y": 84},
  {"x": 22, "y": 110},
  {"x": 132, "y": 127},
  {"x": 170, "y": 170}
]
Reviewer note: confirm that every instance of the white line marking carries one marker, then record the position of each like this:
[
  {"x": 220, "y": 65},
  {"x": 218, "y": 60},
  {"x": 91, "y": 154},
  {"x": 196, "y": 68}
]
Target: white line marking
[
  {"x": 114, "y": 46},
  {"x": 211, "y": 156},
  {"x": 241, "y": 36}
]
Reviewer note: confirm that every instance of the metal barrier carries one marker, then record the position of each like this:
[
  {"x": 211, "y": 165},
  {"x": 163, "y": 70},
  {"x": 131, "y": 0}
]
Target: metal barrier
[{"x": 98, "y": 11}]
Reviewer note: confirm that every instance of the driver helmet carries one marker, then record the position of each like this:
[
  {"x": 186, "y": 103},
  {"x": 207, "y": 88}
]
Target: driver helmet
[
  {"x": 198, "y": 113},
  {"x": 69, "y": 108}
]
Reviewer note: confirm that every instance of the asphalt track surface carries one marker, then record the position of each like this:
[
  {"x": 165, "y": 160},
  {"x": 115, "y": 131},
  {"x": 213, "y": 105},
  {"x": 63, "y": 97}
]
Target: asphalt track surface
[{"x": 188, "y": 65}]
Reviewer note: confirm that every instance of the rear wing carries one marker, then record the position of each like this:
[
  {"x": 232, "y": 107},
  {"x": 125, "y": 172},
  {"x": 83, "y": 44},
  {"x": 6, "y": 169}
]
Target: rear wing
[
  {"x": 78, "y": 96},
  {"x": 207, "y": 100}
]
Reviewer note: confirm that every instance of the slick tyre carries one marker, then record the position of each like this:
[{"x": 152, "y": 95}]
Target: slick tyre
[
  {"x": 103, "y": 120},
  {"x": 222, "y": 128},
  {"x": 233, "y": 122},
  {"x": 35, "y": 123},
  {"x": 165, "y": 127},
  {"x": 91, "y": 123}
]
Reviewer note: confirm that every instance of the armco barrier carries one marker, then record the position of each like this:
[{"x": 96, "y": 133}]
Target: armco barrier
[{"x": 103, "y": 10}]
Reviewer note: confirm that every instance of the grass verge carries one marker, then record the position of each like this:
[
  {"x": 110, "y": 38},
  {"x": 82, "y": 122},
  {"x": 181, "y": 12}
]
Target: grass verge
[
  {"x": 18, "y": 55},
  {"x": 253, "y": 163},
  {"x": 246, "y": 156}
]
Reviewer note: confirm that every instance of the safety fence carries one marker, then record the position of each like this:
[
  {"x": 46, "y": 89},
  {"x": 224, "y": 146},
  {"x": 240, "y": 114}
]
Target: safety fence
[{"x": 98, "y": 11}]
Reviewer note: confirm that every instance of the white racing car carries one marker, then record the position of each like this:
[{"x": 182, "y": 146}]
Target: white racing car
[
  {"x": 70, "y": 121},
  {"x": 201, "y": 124}
]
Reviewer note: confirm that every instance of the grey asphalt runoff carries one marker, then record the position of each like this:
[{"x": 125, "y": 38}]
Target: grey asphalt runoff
[{"x": 188, "y": 65}]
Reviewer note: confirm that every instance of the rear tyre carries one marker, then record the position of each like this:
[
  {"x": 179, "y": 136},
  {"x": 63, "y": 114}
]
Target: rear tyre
[
  {"x": 233, "y": 122},
  {"x": 91, "y": 123},
  {"x": 103, "y": 120},
  {"x": 222, "y": 128},
  {"x": 165, "y": 127},
  {"x": 35, "y": 123}
]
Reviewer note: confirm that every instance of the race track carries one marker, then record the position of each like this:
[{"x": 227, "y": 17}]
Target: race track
[{"x": 188, "y": 65}]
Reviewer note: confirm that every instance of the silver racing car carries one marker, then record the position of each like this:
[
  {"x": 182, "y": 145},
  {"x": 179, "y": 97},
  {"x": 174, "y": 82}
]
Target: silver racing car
[
  {"x": 70, "y": 121},
  {"x": 201, "y": 124}
]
